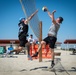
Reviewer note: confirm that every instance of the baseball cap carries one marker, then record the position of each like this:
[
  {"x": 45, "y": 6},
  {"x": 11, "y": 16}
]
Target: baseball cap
[
  {"x": 61, "y": 19},
  {"x": 22, "y": 18}
]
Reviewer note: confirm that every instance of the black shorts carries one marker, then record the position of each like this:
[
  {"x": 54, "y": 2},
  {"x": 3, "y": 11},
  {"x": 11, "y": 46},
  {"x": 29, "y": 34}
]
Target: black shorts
[
  {"x": 22, "y": 40},
  {"x": 51, "y": 40}
]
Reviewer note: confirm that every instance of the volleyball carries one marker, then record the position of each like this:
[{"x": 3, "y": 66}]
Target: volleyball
[{"x": 44, "y": 8}]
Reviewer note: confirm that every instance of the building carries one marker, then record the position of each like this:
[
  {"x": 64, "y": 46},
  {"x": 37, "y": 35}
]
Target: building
[
  {"x": 58, "y": 45},
  {"x": 70, "y": 43},
  {"x": 5, "y": 43},
  {"x": 15, "y": 42}
]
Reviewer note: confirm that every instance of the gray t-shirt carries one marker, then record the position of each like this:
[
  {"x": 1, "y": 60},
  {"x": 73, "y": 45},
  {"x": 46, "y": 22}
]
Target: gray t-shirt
[{"x": 54, "y": 29}]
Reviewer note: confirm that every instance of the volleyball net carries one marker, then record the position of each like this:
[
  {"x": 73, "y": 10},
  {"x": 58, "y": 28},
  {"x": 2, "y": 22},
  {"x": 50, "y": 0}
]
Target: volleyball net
[{"x": 29, "y": 7}]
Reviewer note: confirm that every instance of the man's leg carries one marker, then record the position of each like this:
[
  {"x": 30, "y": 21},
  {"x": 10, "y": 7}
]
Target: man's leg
[
  {"x": 28, "y": 50},
  {"x": 39, "y": 48},
  {"x": 52, "y": 57},
  {"x": 36, "y": 54},
  {"x": 17, "y": 50}
]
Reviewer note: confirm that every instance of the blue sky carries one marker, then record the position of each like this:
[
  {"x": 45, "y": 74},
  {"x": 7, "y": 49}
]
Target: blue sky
[{"x": 11, "y": 11}]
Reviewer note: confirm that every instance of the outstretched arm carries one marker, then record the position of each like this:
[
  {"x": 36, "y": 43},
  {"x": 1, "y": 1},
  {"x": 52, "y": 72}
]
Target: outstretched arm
[
  {"x": 29, "y": 18},
  {"x": 51, "y": 15}
]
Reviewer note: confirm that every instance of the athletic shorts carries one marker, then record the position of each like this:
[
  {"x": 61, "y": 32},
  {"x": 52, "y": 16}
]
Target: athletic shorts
[
  {"x": 22, "y": 40},
  {"x": 51, "y": 40}
]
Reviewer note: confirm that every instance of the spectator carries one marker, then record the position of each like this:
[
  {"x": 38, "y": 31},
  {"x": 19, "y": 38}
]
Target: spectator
[{"x": 31, "y": 40}]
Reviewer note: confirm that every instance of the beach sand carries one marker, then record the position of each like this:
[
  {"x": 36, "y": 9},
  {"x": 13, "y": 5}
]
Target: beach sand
[{"x": 20, "y": 65}]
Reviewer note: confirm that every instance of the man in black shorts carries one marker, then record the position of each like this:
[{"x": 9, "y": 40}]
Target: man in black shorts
[
  {"x": 52, "y": 35},
  {"x": 23, "y": 32}
]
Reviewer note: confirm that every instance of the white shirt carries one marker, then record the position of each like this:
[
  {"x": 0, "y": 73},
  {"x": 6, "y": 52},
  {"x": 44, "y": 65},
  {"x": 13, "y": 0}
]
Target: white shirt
[{"x": 31, "y": 40}]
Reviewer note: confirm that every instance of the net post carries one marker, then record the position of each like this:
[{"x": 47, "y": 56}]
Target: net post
[{"x": 40, "y": 39}]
